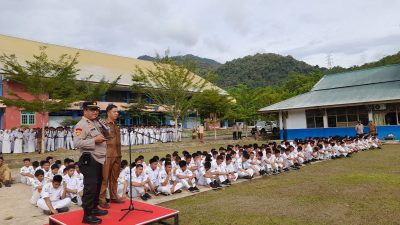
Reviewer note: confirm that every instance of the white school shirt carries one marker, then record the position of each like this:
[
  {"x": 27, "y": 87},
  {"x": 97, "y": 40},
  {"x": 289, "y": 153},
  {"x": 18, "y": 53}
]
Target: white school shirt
[
  {"x": 153, "y": 175},
  {"x": 28, "y": 169},
  {"x": 54, "y": 194},
  {"x": 61, "y": 170},
  {"x": 230, "y": 168},
  {"x": 187, "y": 172},
  {"x": 138, "y": 179},
  {"x": 163, "y": 175},
  {"x": 72, "y": 182},
  {"x": 36, "y": 183}
]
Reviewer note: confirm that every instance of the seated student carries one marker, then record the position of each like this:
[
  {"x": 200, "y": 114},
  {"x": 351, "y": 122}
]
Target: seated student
[
  {"x": 279, "y": 162},
  {"x": 208, "y": 177},
  {"x": 254, "y": 163},
  {"x": 244, "y": 170},
  {"x": 27, "y": 172},
  {"x": 53, "y": 197},
  {"x": 45, "y": 166},
  {"x": 267, "y": 160},
  {"x": 35, "y": 165},
  {"x": 260, "y": 163},
  {"x": 168, "y": 184},
  {"x": 71, "y": 184},
  {"x": 122, "y": 182},
  {"x": 54, "y": 171},
  {"x": 79, "y": 176},
  {"x": 152, "y": 173},
  {"x": 139, "y": 183},
  {"x": 37, "y": 186},
  {"x": 5, "y": 173},
  {"x": 230, "y": 169},
  {"x": 221, "y": 172},
  {"x": 186, "y": 177}
]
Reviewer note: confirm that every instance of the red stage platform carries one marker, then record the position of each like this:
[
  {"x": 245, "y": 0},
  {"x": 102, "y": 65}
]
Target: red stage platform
[{"x": 114, "y": 214}]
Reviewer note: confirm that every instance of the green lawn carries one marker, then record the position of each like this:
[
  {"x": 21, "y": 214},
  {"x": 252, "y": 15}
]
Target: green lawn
[{"x": 364, "y": 189}]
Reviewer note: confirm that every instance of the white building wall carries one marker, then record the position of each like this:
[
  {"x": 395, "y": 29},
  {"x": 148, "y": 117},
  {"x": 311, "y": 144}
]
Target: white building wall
[{"x": 296, "y": 119}]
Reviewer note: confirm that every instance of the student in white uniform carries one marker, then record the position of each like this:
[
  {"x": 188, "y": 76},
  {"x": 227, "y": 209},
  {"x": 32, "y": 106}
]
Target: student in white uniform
[
  {"x": 230, "y": 169},
  {"x": 18, "y": 142},
  {"x": 168, "y": 184},
  {"x": 69, "y": 139},
  {"x": 6, "y": 146},
  {"x": 152, "y": 173},
  {"x": 186, "y": 177},
  {"x": 37, "y": 186},
  {"x": 53, "y": 197},
  {"x": 139, "y": 183},
  {"x": 71, "y": 184},
  {"x": 244, "y": 168},
  {"x": 122, "y": 182},
  {"x": 54, "y": 171},
  {"x": 27, "y": 172}
]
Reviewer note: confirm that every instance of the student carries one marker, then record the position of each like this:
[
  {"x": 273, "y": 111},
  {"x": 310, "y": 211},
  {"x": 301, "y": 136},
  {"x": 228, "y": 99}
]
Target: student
[
  {"x": 27, "y": 172},
  {"x": 53, "y": 197},
  {"x": 139, "y": 183},
  {"x": 37, "y": 186},
  {"x": 71, "y": 184},
  {"x": 54, "y": 171},
  {"x": 186, "y": 177},
  {"x": 244, "y": 168},
  {"x": 230, "y": 169},
  {"x": 221, "y": 172},
  {"x": 168, "y": 184},
  {"x": 152, "y": 173},
  {"x": 122, "y": 182},
  {"x": 5, "y": 173},
  {"x": 35, "y": 165},
  {"x": 45, "y": 166}
]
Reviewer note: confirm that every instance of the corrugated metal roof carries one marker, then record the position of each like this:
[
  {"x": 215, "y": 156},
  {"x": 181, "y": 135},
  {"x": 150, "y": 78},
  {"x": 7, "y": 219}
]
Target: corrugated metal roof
[
  {"x": 383, "y": 89},
  {"x": 90, "y": 62},
  {"x": 359, "y": 77}
]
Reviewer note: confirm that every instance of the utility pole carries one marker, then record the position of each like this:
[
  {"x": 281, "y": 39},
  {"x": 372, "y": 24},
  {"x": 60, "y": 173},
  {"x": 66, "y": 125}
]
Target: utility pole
[{"x": 329, "y": 61}]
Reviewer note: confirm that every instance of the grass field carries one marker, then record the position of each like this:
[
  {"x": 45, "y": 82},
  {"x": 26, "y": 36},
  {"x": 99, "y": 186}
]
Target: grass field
[{"x": 363, "y": 190}]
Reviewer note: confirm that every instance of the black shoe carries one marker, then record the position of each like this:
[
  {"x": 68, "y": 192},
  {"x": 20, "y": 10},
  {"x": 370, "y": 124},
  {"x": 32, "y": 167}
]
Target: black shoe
[
  {"x": 7, "y": 183},
  {"x": 91, "y": 220},
  {"x": 196, "y": 189},
  {"x": 178, "y": 191},
  {"x": 191, "y": 190},
  {"x": 74, "y": 200},
  {"x": 108, "y": 200},
  {"x": 147, "y": 196},
  {"x": 99, "y": 212},
  {"x": 143, "y": 197},
  {"x": 62, "y": 210},
  {"x": 213, "y": 186},
  {"x": 1, "y": 185}
]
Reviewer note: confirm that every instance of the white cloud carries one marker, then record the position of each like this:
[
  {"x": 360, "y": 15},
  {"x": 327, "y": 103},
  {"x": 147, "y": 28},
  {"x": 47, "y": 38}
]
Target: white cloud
[{"x": 353, "y": 31}]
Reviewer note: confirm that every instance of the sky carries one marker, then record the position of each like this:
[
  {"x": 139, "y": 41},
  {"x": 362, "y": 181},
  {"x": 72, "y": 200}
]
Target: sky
[{"x": 352, "y": 32}]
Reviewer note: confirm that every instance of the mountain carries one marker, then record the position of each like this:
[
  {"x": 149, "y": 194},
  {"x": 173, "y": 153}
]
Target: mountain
[
  {"x": 387, "y": 60},
  {"x": 260, "y": 70},
  {"x": 204, "y": 65}
]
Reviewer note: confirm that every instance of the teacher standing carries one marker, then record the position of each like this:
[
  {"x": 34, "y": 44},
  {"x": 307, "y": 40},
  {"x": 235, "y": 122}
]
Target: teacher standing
[{"x": 112, "y": 165}]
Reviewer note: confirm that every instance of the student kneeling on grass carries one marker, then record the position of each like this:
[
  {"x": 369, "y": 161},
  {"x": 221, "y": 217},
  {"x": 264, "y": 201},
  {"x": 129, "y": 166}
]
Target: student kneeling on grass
[
  {"x": 186, "y": 177},
  {"x": 168, "y": 184},
  {"x": 53, "y": 197},
  {"x": 140, "y": 183}
]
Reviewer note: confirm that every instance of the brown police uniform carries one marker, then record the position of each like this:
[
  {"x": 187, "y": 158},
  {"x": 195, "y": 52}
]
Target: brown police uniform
[
  {"x": 92, "y": 158},
  {"x": 112, "y": 165}
]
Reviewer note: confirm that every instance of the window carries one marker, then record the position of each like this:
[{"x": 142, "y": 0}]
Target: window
[
  {"x": 347, "y": 117},
  {"x": 314, "y": 118},
  {"x": 28, "y": 118}
]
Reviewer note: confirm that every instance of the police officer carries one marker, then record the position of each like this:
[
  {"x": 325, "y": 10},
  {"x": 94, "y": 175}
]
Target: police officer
[{"x": 91, "y": 142}]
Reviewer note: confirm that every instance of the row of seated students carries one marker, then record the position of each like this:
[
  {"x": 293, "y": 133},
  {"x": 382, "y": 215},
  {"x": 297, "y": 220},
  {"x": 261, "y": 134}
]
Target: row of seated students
[{"x": 55, "y": 186}]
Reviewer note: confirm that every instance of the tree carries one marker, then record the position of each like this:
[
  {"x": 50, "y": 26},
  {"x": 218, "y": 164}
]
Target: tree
[
  {"x": 169, "y": 85},
  {"x": 212, "y": 105},
  {"x": 53, "y": 84}
]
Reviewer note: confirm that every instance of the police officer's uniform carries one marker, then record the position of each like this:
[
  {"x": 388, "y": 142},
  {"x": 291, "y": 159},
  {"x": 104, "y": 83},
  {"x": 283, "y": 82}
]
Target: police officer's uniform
[{"x": 91, "y": 162}]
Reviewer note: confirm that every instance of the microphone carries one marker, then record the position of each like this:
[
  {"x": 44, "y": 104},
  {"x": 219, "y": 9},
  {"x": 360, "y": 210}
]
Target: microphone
[{"x": 104, "y": 127}]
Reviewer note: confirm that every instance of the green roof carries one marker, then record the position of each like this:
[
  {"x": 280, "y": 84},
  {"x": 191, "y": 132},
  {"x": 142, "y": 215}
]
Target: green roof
[{"x": 376, "y": 85}]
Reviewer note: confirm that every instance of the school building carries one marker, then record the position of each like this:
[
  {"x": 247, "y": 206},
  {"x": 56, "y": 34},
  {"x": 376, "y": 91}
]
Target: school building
[
  {"x": 99, "y": 65},
  {"x": 338, "y": 101}
]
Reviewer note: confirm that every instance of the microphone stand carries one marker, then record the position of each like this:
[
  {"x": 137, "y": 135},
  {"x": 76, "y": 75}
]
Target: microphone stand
[{"x": 131, "y": 207}]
